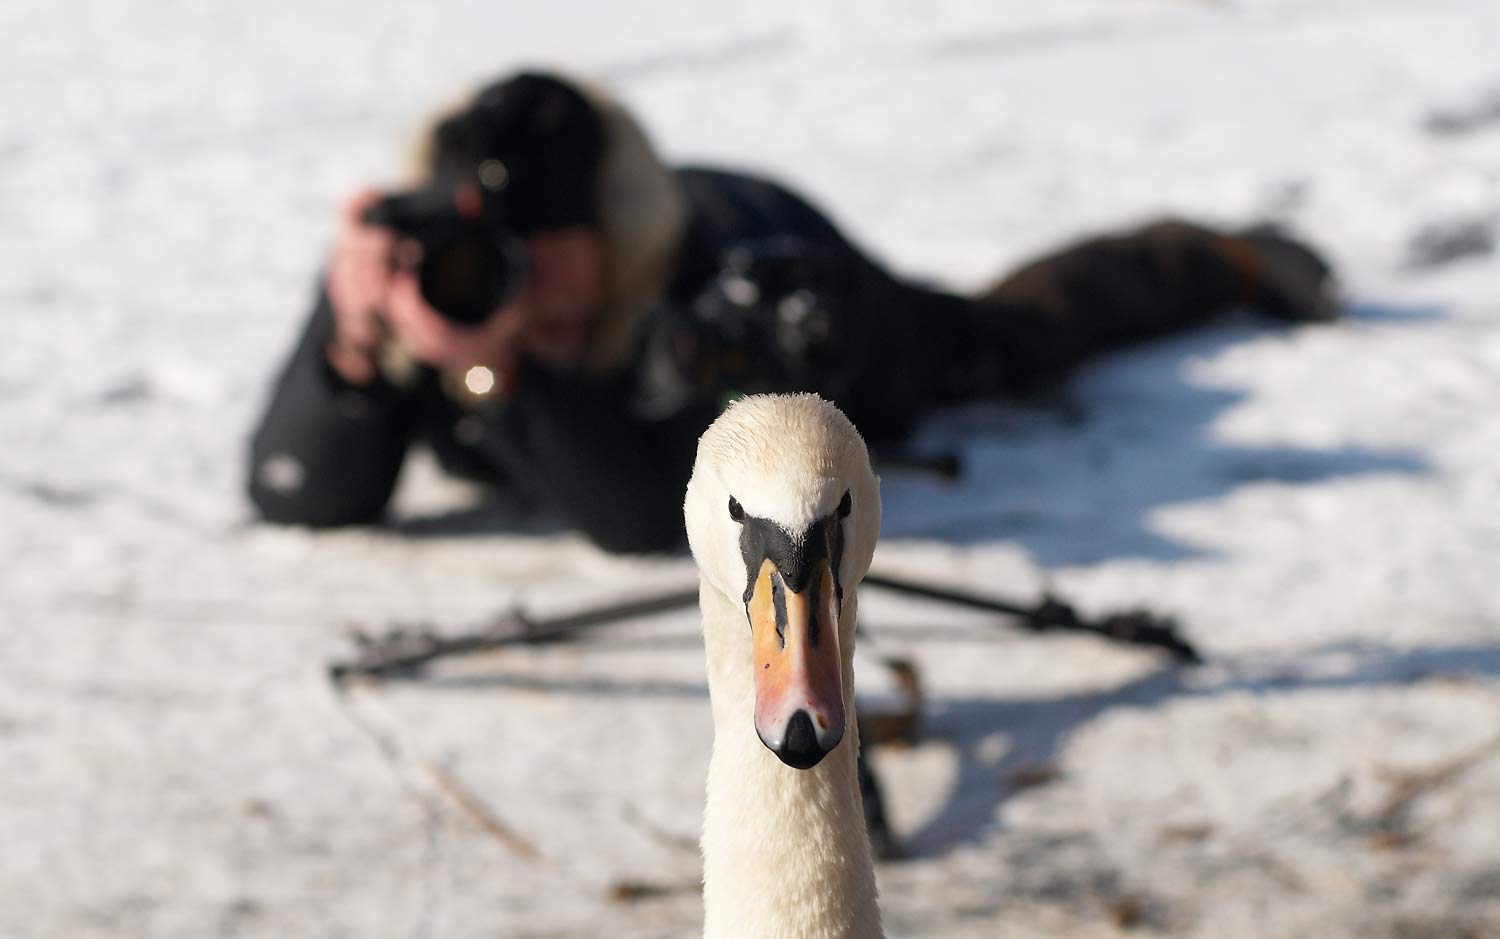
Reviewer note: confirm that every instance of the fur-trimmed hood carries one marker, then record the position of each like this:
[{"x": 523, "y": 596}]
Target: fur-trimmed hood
[{"x": 643, "y": 213}]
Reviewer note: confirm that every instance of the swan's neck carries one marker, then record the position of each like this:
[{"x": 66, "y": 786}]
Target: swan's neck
[{"x": 785, "y": 852}]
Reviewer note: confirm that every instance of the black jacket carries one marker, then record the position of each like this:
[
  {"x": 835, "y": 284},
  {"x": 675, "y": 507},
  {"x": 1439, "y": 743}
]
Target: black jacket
[{"x": 600, "y": 452}]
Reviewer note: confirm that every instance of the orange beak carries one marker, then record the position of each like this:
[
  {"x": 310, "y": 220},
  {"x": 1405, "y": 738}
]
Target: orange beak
[{"x": 799, "y": 686}]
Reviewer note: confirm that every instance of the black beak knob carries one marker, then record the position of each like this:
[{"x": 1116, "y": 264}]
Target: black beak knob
[{"x": 800, "y": 749}]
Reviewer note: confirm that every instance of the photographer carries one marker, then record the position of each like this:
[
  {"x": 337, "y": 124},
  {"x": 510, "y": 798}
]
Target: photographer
[{"x": 553, "y": 309}]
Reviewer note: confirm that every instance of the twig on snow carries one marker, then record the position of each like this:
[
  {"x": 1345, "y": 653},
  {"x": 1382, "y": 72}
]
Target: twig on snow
[{"x": 422, "y": 777}]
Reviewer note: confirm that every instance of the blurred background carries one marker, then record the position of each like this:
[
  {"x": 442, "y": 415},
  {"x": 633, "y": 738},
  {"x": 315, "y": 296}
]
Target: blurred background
[{"x": 1317, "y": 505}]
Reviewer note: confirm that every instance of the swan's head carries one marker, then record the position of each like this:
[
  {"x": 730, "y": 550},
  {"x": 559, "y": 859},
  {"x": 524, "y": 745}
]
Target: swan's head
[{"x": 782, "y": 516}]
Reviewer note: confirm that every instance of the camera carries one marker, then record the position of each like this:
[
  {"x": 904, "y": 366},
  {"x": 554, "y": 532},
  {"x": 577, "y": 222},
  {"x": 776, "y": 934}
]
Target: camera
[
  {"x": 471, "y": 261},
  {"x": 767, "y": 322}
]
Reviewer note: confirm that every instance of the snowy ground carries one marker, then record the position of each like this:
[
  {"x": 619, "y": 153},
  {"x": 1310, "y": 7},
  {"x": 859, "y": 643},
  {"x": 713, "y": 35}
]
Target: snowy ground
[{"x": 1319, "y": 505}]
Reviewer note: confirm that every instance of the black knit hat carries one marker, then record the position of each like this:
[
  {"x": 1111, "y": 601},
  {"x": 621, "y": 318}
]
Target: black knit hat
[{"x": 546, "y": 137}]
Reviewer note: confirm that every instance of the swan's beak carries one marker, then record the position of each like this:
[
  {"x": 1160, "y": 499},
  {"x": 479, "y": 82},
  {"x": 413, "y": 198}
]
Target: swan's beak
[{"x": 799, "y": 688}]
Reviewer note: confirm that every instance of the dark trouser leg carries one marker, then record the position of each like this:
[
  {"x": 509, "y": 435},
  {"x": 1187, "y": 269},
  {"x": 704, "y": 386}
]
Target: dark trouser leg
[
  {"x": 919, "y": 348},
  {"x": 1108, "y": 291}
]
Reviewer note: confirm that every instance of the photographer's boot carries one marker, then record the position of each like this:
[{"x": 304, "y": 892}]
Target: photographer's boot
[{"x": 1287, "y": 278}]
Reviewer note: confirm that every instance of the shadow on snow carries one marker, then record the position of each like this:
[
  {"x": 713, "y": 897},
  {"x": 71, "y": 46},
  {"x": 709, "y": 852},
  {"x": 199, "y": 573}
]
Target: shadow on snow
[
  {"x": 1038, "y": 728},
  {"x": 1076, "y": 482}
]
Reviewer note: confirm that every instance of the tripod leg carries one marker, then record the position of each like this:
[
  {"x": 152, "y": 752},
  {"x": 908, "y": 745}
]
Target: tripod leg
[{"x": 882, "y": 841}]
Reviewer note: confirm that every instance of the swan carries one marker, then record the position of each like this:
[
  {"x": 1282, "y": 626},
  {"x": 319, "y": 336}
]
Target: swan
[{"x": 782, "y": 516}]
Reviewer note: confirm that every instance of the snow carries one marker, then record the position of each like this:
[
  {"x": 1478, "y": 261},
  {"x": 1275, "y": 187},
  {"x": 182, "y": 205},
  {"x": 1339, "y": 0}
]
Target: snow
[{"x": 1318, "y": 505}]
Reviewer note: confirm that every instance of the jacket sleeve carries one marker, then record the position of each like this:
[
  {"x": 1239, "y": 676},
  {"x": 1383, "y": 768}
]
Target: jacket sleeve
[
  {"x": 326, "y": 453},
  {"x": 573, "y": 444}
]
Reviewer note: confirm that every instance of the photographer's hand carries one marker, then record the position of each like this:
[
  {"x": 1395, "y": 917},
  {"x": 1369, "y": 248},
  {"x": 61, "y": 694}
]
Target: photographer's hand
[{"x": 357, "y": 284}]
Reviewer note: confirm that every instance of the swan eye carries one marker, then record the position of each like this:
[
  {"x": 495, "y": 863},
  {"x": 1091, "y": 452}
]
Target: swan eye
[
  {"x": 736, "y": 512},
  {"x": 845, "y": 505}
]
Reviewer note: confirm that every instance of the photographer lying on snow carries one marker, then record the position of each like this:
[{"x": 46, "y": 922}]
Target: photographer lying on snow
[{"x": 555, "y": 310}]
